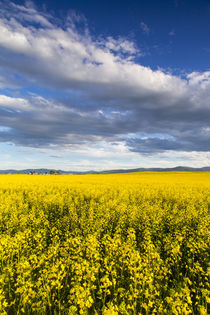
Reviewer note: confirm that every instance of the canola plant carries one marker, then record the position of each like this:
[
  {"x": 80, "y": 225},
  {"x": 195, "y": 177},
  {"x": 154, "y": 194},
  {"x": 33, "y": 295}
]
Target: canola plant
[{"x": 104, "y": 244}]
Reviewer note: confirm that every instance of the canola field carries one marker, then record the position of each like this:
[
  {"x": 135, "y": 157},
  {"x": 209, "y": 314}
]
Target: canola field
[{"x": 104, "y": 244}]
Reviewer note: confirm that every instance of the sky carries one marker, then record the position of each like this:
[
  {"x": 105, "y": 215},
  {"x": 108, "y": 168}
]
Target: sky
[{"x": 97, "y": 85}]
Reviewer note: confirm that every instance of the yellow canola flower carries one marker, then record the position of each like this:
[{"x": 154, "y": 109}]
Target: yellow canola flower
[{"x": 104, "y": 244}]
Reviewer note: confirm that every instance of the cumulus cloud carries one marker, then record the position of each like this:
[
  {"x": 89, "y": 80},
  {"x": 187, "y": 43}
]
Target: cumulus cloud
[
  {"x": 107, "y": 95},
  {"x": 122, "y": 45}
]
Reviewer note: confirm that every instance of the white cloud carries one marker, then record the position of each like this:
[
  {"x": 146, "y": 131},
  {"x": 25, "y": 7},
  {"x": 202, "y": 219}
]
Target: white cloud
[
  {"x": 198, "y": 79},
  {"x": 145, "y": 28},
  {"x": 121, "y": 45},
  {"x": 14, "y": 103},
  {"x": 76, "y": 61},
  {"x": 114, "y": 95}
]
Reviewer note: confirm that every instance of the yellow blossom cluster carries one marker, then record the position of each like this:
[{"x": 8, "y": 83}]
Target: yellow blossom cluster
[{"x": 133, "y": 243}]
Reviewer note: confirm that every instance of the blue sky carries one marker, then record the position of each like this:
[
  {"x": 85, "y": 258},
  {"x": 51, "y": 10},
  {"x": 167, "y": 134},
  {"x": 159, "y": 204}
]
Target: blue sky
[{"x": 102, "y": 85}]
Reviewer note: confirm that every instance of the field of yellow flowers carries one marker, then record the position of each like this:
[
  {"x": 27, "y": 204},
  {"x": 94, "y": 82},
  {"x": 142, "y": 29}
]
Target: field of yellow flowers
[{"x": 104, "y": 244}]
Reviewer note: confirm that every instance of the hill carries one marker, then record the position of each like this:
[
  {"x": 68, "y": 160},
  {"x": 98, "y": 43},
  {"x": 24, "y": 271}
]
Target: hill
[{"x": 153, "y": 169}]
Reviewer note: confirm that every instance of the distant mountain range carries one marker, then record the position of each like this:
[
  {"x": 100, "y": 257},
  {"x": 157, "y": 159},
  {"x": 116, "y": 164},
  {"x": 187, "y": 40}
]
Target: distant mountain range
[{"x": 153, "y": 169}]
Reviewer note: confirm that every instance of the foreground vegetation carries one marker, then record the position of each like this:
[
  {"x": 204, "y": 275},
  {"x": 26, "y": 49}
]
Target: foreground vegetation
[{"x": 104, "y": 244}]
